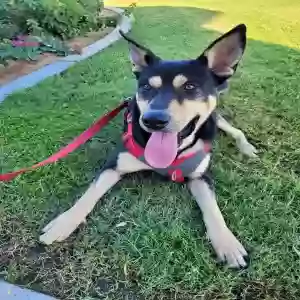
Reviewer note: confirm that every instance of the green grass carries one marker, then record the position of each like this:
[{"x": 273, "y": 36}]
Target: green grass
[{"x": 162, "y": 251}]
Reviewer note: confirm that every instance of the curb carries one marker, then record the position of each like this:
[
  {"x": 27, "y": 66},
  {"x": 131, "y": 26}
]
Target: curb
[
  {"x": 12, "y": 292},
  {"x": 61, "y": 65}
]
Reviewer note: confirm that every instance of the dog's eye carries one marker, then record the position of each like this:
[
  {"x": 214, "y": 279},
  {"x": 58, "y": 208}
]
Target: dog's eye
[
  {"x": 189, "y": 86},
  {"x": 146, "y": 87}
]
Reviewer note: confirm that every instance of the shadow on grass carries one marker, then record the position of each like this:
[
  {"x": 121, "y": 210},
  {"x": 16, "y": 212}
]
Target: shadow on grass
[{"x": 162, "y": 252}]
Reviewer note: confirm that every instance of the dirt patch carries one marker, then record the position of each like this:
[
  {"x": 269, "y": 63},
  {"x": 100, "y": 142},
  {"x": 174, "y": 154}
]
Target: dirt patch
[
  {"x": 16, "y": 69},
  {"x": 31, "y": 263}
]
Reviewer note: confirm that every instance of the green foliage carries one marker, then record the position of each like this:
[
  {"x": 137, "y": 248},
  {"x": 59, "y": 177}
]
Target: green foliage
[
  {"x": 45, "y": 43},
  {"x": 49, "y": 20},
  {"x": 7, "y": 51},
  {"x": 62, "y": 18}
]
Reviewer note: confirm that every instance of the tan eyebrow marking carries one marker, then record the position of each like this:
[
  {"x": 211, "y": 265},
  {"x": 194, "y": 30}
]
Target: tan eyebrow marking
[
  {"x": 179, "y": 80},
  {"x": 155, "y": 81}
]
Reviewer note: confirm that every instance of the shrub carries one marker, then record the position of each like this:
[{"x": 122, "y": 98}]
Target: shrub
[
  {"x": 61, "y": 18},
  {"x": 47, "y": 21}
]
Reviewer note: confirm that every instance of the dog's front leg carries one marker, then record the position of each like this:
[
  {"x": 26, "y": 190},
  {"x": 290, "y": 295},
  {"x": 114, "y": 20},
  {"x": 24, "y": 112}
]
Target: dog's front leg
[
  {"x": 119, "y": 163},
  {"x": 244, "y": 146},
  {"x": 227, "y": 247}
]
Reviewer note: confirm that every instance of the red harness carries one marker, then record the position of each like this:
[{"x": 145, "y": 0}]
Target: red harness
[{"x": 174, "y": 171}]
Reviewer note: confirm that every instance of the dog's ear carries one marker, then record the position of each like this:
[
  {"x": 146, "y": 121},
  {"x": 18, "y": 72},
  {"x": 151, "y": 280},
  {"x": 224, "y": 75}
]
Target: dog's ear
[
  {"x": 139, "y": 55},
  {"x": 224, "y": 54}
]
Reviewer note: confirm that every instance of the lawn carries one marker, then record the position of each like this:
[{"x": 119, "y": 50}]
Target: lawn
[{"x": 162, "y": 251}]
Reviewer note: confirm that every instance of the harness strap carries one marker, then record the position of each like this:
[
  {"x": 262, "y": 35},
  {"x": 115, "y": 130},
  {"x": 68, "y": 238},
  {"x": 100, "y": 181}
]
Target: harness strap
[{"x": 76, "y": 143}]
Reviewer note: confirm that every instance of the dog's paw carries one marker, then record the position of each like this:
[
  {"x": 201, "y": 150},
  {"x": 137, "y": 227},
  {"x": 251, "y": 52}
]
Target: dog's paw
[
  {"x": 246, "y": 148},
  {"x": 228, "y": 248},
  {"x": 61, "y": 227}
]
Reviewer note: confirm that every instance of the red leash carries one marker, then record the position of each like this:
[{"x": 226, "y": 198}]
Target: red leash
[{"x": 76, "y": 143}]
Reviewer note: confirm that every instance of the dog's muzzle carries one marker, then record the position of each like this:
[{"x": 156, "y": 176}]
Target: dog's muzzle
[{"x": 156, "y": 119}]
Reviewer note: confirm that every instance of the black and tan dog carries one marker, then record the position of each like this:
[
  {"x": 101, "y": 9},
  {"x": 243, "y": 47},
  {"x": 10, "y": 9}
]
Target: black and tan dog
[{"x": 169, "y": 128}]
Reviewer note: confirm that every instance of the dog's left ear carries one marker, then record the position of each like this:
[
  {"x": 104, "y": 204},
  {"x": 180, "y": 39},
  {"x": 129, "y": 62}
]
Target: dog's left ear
[
  {"x": 224, "y": 54},
  {"x": 140, "y": 56}
]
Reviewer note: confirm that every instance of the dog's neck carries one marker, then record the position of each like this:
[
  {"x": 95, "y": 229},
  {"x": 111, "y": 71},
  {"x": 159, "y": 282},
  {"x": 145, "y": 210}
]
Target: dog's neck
[{"x": 205, "y": 133}]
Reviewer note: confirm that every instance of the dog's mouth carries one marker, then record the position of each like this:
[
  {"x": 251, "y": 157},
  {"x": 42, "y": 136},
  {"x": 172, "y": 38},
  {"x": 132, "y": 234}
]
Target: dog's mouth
[{"x": 162, "y": 147}]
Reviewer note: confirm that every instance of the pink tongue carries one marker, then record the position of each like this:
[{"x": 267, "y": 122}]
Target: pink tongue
[{"x": 161, "y": 149}]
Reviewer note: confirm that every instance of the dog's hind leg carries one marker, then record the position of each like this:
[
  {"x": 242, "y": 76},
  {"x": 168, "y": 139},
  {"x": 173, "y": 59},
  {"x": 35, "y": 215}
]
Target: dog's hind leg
[
  {"x": 244, "y": 146},
  {"x": 226, "y": 245},
  {"x": 118, "y": 164}
]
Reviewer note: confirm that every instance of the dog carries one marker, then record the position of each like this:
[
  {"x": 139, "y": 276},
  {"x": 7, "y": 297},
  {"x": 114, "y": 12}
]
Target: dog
[{"x": 169, "y": 127}]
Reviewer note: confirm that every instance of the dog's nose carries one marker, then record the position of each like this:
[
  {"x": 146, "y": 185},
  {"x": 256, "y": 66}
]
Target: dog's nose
[{"x": 156, "y": 119}]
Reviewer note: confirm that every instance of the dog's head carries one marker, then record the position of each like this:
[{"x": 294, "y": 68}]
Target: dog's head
[{"x": 178, "y": 96}]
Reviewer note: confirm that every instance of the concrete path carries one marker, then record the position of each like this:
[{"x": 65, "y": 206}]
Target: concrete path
[{"x": 12, "y": 292}]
